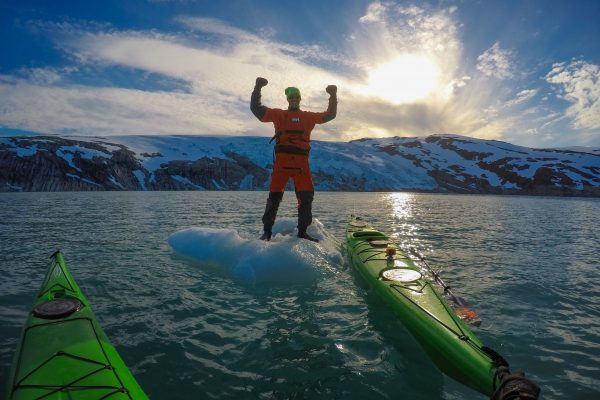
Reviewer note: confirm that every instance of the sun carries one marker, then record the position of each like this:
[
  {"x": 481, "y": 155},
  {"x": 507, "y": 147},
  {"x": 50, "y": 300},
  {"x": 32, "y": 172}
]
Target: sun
[{"x": 406, "y": 79}]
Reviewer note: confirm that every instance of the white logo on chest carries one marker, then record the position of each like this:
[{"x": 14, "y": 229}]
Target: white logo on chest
[{"x": 296, "y": 119}]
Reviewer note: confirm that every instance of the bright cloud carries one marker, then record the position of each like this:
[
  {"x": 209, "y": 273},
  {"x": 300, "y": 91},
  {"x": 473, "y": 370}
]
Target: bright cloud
[
  {"x": 391, "y": 28},
  {"x": 579, "y": 84},
  {"x": 375, "y": 13},
  {"x": 522, "y": 97},
  {"x": 219, "y": 81},
  {"x": 496, "y": 62},
  {"x": 111, "y": 111},
  {"x": 43, "y": 76}
]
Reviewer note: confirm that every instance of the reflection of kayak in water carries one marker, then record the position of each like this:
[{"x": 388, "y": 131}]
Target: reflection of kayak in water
[
  {"x": 448, "y": 341},
  {"x": 63, "y": 352}
]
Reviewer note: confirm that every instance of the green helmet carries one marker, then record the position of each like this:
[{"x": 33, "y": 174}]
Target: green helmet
[{"x": 292, "y": 90}]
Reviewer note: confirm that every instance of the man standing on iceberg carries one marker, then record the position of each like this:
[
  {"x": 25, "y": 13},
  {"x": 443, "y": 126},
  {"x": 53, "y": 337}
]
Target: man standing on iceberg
[{"x": 292, "y": 146}]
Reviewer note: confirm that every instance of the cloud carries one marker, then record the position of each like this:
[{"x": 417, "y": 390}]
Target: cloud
[
  {"x": 579, "y": 84},
  {"x": 43, "y": 76},
  {"x": 113, "y": 82},
  {"x": 496, "y": 62},
  {"x": 466, "y": 100},
  {"x": 455, "y": 85},
  {"x": 550, "y": 119},
  {"x": 522, "y": 97},
  {"x": 389, "y": 32},
  {"x": 228, "y": 36},
  {"x": 375, "y": 13},
  {"x": 219, "y": 78},
  {"x": 219, "y": 74},
  {"x": 111, "y": 111},
  {"x": 389, "y": 28},
  {"x": 227, "y": 65},
  {"x": 495, "y": 129}
]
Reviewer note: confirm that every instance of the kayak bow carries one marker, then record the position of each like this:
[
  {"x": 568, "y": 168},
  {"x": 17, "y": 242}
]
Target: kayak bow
[
  {"x": 63, "y": 352},
  {"x": 449, "y": 342}
]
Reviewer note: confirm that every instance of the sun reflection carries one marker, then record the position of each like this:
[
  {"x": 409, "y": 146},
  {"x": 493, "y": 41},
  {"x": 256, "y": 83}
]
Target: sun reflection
[
  {"x": 401, "y": 204},
  {"x": 404, "y": 230},
  {"x": 408, "y": 78}
]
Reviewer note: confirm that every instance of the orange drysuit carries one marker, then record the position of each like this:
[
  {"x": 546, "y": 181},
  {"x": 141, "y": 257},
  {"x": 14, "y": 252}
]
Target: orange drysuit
[{"x": 292, "y": 146}]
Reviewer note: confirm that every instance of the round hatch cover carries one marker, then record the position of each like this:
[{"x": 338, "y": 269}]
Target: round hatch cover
[
  {"x": 57, "y": 308},
  {"x": 401, "y": 275}
]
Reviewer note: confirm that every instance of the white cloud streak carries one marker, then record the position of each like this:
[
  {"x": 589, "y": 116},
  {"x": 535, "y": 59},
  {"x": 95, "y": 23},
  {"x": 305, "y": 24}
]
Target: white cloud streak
[
  {"x": 375, "y": 12},
  {"x": 579, "y": 84},
  {"x": 111, "y": 111},
  {"x": 496, "y": 62},
  {"x": 522, "y": 97},
  {"x": 390, "y": 28}
]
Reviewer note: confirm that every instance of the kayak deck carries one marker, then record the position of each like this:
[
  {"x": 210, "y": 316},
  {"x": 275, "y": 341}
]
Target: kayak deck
[
  {"x": 423, "y": 311},
  {"x": 63, "y": 352}
]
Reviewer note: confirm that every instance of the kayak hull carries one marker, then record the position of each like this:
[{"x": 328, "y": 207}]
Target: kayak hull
[
  {"x": 63, "y": 352},
  {"x": 400, "y": 283}
]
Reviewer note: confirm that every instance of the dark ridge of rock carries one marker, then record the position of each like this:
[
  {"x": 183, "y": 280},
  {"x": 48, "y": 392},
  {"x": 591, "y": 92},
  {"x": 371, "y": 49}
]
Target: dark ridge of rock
[{"x": 437, "y": 163}]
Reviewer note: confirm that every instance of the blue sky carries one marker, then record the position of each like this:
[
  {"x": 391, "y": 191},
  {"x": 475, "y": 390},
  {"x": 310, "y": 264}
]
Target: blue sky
[{"x": 527, "y": 72}]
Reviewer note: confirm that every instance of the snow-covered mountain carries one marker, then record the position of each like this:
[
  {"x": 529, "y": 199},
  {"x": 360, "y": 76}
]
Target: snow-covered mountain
[{"x": 437, "y": 163}]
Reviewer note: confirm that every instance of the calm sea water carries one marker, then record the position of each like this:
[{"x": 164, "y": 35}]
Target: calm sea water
[{"x": 529, "y": 266}]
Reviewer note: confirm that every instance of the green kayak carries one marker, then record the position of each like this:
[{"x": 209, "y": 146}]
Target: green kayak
[
  {"x": 63, "y": 352},
  {"x": 422, "y": 310}
]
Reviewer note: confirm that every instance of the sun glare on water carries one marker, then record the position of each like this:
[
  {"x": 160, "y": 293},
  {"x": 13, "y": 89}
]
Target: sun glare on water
[{"x": 406, "y": 79}]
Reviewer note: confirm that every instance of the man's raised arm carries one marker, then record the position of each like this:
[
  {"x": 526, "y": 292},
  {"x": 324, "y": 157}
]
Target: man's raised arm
[
  {"x": 258, "y": 109},
  {"x": 332, "y": 107}
]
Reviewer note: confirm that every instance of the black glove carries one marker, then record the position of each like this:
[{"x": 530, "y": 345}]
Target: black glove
[
  {"x": 260, "y": 82},
  {"x": 332, "y": 90}
]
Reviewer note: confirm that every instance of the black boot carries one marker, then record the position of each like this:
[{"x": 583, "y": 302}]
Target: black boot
[
  {"x": 270, "y": 214},
  {"x": 266, "y": 236},
  {"x": 304, "y": 235},
  {"x": 305, "y": 199}
]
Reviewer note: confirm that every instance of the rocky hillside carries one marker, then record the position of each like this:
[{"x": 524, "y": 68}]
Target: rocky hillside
[{"x": 437, "y": 163}]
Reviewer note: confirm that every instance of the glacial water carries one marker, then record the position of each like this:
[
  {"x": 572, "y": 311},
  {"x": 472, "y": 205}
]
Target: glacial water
[{"x": 228, "y": 317}]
